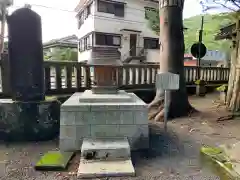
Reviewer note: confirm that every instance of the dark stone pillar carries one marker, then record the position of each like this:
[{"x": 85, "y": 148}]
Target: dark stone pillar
[{"x": 26, "y": 55}]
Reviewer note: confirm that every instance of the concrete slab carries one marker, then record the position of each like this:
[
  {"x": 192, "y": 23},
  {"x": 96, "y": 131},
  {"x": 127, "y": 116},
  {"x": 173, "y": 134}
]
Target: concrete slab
[
  {"x": 74, "y": 105},
  {"x": 106, "y": 149},
  {"x": 99, "y": 169},
  {"x": 89, "y": 97}
]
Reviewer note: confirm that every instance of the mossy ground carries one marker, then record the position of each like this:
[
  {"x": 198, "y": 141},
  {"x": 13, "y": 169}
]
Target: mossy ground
[
  {"x": 215, "y": 159},
  {"x": 54, "y": 161}
]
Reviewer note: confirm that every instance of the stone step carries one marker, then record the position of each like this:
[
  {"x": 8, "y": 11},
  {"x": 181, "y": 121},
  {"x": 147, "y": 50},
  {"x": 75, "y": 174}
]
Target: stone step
[
  {"x": 99, "y": 169},
  {"x": 105, "y": 149}
]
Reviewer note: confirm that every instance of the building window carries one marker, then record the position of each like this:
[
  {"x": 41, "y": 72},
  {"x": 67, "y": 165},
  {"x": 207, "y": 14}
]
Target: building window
[
  {"x": 116, "y": 40},
  {"x": 109, "y": 40},
  {"x": 81, "y": 45},
  {"x": 106, "y": 7},
  {"x": 113, "y": 8},
  {"x": 84, "y": 15},
  {"x": 147, "y": 10},
  {"x": 85, "y": 43},
  {"x": 151, "y": 43},
  {"x": 88, "y": 42},
  {"x": 119, "y": 10}
]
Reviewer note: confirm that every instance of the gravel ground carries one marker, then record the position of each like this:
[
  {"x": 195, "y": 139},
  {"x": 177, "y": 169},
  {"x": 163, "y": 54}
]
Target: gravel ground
[{"x": 173, "y": 155}]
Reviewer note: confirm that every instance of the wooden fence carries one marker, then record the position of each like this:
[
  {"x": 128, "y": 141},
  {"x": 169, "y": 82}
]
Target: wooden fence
[{"x": 69, "y": 77}]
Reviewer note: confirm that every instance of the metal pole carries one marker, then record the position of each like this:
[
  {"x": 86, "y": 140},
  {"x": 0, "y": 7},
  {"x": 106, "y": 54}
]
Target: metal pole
[
  {"x": 165, "y": 109},
  {"x": 200, "y": 41}
]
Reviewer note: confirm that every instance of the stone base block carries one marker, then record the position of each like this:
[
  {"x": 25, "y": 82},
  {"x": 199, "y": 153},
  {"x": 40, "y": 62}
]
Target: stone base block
[
  {"x": 91, "y": 97},
  {"x": 70, "y": 145},
  {"x": 108, "y": 117},
  {"x": 100, "y": 169},
  {"x": 29, "y": 121},
  {"x": 104, "y": 89},
  {"x": 106, "y": 149}
]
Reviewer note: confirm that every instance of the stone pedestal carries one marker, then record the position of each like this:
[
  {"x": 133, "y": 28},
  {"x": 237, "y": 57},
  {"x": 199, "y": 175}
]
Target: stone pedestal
[
  {"x": 29, "y": 121},
  {"x": 88, "y": 115}
]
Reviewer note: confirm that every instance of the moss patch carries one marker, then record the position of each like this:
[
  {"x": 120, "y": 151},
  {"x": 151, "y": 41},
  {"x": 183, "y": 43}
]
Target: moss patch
[
  {"x": 215, "y": 159},
  {"x": 54, "y": 161}
]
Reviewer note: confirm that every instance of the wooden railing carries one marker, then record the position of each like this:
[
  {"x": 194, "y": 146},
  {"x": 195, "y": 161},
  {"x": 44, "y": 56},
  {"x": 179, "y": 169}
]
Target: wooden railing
[{"x": 70, "y": 77}]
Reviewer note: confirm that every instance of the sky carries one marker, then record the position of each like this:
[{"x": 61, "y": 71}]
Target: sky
[{"x": 57, "y": 23}]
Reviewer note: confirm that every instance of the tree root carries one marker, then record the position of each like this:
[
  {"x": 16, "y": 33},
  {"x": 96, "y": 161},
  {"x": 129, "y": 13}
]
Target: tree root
[
  {"x": 157, "y": 113},
  {"x": 158, "y": 101}
]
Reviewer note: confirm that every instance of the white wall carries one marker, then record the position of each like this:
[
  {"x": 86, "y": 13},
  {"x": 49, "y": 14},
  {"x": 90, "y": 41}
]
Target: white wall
[
  {"x": 85, "y": 55},
  {"x": 153, "y": 55},
  {"x": 215, "y": 55},
  {"x": 88, "y": 25},
  {"x": 133, "y": 19}
]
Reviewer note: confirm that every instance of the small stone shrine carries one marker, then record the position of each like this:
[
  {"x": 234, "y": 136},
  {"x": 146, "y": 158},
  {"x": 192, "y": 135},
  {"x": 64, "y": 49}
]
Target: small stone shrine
[
  {"x": 27, "y": 115},
  {"x": 104, "y": 123}
]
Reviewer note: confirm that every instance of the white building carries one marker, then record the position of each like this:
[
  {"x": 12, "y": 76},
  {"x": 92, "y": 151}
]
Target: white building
[
  {"x": 116, "y": 29},
  {"x": 215, "y": 55}
]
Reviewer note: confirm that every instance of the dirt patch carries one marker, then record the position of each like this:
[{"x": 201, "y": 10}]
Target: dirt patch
[{"x": 173, "y": 154}]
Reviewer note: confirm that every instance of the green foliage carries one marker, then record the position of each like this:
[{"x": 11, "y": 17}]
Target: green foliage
[
  {"x": 200, "y": 82},
  {"x": 222, "y": 88},
  {"x": 212, "y": 24},
  {"x": 153, "y": 20},
  {"x": 64, "y": 54}
]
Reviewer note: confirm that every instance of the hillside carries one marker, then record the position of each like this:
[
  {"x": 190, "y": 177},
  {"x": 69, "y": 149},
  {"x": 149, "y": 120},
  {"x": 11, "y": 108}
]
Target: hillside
[{"x": 211, "y": 27}]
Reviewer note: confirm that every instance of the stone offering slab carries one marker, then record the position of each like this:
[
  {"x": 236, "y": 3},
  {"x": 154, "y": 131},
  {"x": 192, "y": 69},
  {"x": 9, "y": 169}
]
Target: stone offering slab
[{"x": 99, "y": 169}]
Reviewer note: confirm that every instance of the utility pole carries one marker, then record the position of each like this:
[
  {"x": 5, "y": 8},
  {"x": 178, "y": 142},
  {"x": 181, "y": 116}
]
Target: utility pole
[{"x": 200, "y": 42}]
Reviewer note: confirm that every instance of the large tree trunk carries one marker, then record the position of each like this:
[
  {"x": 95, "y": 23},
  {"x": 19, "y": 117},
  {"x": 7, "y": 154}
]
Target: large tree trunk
[
  {"x": 171, "y": 60},
  {"x": 233, "y": 94}
]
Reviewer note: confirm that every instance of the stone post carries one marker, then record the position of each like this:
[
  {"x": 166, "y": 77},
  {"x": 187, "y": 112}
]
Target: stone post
[
  {"x": 26, "y": 55},
  {"x": 27, "y": 116},
  {"x": 5, "y": 73}
]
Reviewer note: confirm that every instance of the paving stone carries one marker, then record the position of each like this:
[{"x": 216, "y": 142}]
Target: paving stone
[
  {"x": 54, "y": 161},
  {"x": 105, "y": 131},
  {"x": 113, "y": 117},
  {"x": 89, "y": 97},
  {"x": 79, "y": 118},
  {"x": 106, "y": 149},
  {"x": 141, "y": 117},
  {"x": 70, "y": 144},
  {"x": 126, "y": 117},
  {"x": 83, "y": 131},
  {"x": 134, "y": 130},
  {"x": 68, "y": 131},
  {"x": 99, "y": 169},
  {"x": 104, "y": 107},
  {"x": 95, "y": 117},
  {"x": 67, "y": 118}
]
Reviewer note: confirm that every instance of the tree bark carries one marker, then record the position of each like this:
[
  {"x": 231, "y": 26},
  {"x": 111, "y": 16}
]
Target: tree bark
[
  {"x": 233, "y": 94},
  {"x": 171, "y": 60}
]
